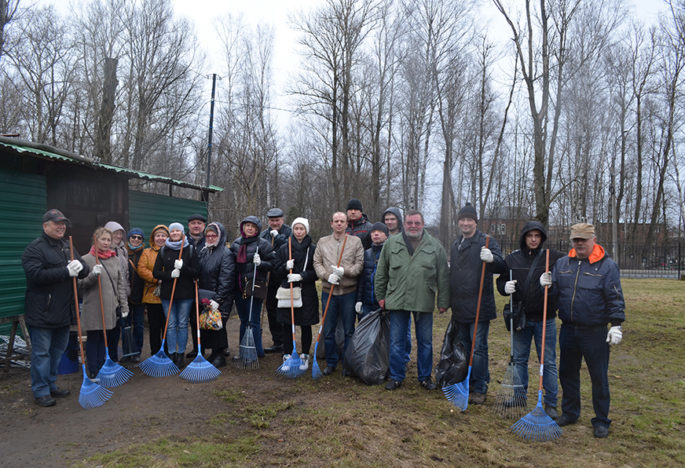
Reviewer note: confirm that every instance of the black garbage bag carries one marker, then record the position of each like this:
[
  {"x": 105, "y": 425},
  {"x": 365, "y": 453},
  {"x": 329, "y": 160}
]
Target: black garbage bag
[
  {"x": 368, "y": 353},
  {"x": 453, "y": 364}
]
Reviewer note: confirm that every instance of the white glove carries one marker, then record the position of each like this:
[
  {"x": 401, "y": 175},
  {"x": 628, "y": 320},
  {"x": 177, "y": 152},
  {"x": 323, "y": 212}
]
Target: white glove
[
  {"x": 178, "y": 264},
  {"x": 486, "y": 255},
  {"x": 97, "y": 269},
  {"x": 273, "y": 233},
  {"x": 333, "y": 279},
  {"x": 175, "y": 273},
  {"x": 256, "y": 259},
  {"x": 338, "y": 271},
  {"x": 290, "y": 264},
  {"x": 615, "y": 335},
  {"x": 546, "y": 279},
  {"x": 214, "y": 305},
  {"x": 74, "y": 267},
  {"x": 294, "y": 278},
  {"x": 358, "y": 307},
  {"x": 510, "y": 287},
  {"x": 124, "y": 313}
]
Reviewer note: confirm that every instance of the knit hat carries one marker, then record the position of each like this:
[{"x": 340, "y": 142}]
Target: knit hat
[
  {"x": 176, "y": 227},
  {"x": 302, "y": 221},
  {"x": 380, "y": 227},
  {"x": 468, "y": 211},
  {"x": 135, "y": 231},
  {"x": 354, "y": 204}
]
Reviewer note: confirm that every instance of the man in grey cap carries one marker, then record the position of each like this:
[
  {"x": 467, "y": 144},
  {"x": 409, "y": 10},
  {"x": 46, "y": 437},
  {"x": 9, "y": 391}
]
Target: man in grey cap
[
  {"x": 49, "y": 303},
  {"x": 277, "y": 233}
]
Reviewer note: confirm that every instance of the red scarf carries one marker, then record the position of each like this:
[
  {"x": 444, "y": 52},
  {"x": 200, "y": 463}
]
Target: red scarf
[{"x": 102, "y": 255}]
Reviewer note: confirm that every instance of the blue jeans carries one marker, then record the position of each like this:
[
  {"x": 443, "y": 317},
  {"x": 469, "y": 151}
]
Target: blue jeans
[
  {"x": 576, "y": 343},
  {"x": 242, "y": 305},
  {"x": 177, "y": 333},
  {"x": 399, "y": 324},
  {"x": 47, "y": 347},
  {"x": 136, "y": 318},
  {"x": 522, "y": 339},
  {"x": 340, "y": 306},
  {"x": 480, "y": 374}
]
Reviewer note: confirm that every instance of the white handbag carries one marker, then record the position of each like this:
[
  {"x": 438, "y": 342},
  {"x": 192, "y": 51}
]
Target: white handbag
[{"x": 283, "y": 294}]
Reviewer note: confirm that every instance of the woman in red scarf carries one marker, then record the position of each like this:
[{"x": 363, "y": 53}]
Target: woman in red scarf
[{"x": 113, "y": 283}]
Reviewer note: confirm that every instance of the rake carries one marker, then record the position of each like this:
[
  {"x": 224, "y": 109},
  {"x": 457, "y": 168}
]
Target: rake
[
  {"x": 159, "y": 364},
  {"x": 199, "y": 370},
  {"x": 458, "y": 393},
  {"x": 316, "y": 371},
  {"x": 291, "y": 366},
  {"x": 111, "y": 373},
  {"x": 92, "y": 394},
  {"x": 247, "y": 355},
  {"x": 537, "y": 426},
  {"x": 511, "y": 398}
]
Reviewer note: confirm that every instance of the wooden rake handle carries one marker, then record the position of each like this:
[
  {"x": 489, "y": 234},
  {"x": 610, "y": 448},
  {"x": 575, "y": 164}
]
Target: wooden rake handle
[
  {"x": 480, "y": 297},
  {"x": 544, "y": 321},
  {"x": 102, "y": 306},
  {"x": 78, "y": 313},
  {"x": 173, "y": 290}
]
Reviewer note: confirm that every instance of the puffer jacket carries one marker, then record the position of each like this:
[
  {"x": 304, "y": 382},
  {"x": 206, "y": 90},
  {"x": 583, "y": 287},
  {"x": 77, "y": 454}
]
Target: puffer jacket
[
  {"x": 365, "y": 289},
  {"x": 327, "y": 254},
  {"x": 465, "y": 269},
  {"x": 164, "y": 264},
  {"x": 519, "y": 262},
  {"x": 49, "y": 288},
  {"x": 303, "y": 252},
  {"x": 113, "y": 294},
  {"x": 217, "y": 271},
  {"x": 588, "y": 291},
  {"x": 280, "y": 239},
  {"x": 245, "y": 271},
  {"x": 136, "y": 283},
  {"x": 145, "y": 266},
  {"x": 362, "y": 229}
]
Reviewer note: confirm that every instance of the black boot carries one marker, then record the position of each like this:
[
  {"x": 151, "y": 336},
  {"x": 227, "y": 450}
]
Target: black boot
[{"x": 219, "y": 359}]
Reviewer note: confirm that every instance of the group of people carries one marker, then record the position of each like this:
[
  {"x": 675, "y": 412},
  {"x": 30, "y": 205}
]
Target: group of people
[{"x": 394, "y": 265}]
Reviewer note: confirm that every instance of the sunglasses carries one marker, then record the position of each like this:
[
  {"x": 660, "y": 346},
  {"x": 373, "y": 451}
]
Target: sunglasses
[{"x": 137, "y": 237}]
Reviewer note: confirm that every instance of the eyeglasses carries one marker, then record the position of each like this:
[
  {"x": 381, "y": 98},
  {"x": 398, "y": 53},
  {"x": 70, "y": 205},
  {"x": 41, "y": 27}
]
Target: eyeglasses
[
  {"x": 137, "y": 237},
  {"x": 413, "y": 223}
]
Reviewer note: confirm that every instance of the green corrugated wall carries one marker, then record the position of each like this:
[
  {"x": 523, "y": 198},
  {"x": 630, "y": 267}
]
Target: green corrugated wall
[{"x": 146, "y": 210}]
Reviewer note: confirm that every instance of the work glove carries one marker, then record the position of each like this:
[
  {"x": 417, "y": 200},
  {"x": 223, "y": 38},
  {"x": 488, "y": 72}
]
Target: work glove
[
  {"x": 486, "y": 255},
  {"x": 290, "y": 264},
  {"x": 294, "y": 278},
  {"x": 546, "y": 279},
  {"x": 124, "y": 313},
  {"x": 510, "y": 287},
  {"x": 256, "y": 259},
  {"x": 178, "y": 264},
  {"x": 615, "y": 335},
  {"x": 358, "y": 307},
  {"x": 273, "y": 233},
  {"x": 333, "y": 279},
  {"x": 74, "y": 267},
  {"x": 339, "y": 271},
  {"x": 97, "y": 269},
  {"x": 175, "y": 273},
  {"x": 214, "y": 305}
]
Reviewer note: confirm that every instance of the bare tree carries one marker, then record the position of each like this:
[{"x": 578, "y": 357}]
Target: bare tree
[{"x": 8, "y": 8}]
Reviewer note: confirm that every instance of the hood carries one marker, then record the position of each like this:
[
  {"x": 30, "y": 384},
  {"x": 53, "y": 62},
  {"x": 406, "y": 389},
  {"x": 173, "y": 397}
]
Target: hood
[
  {"x": 222, "y": 231},
  {"x": 152, "y": 234},
  {"x": 398, "y": 214},
  {"x": 114, "y": 226},
  {"x": 531, "y": 226},
  {"x": 253, "y": 220}
]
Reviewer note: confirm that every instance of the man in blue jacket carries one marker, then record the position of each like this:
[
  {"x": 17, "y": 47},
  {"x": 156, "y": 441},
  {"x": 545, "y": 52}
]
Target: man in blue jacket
[{"x": 587, "y": 287}]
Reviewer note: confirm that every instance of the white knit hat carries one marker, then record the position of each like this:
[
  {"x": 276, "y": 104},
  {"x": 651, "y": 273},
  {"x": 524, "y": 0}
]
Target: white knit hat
[{"x": 302, "y": 221}]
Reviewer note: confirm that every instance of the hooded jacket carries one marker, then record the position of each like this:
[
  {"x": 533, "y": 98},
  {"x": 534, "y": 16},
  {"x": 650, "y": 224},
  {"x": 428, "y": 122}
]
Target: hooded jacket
[
  {"x": 122, "y": 253},
  {"x": 398, "y": 215},
  {"x": 145, "y": 266},
  {"x": 520, "y": 262},
  {"x": 217, "y": 271},
  {"x": 245, "y": 271},
  {"x": 113, "y": 283}
]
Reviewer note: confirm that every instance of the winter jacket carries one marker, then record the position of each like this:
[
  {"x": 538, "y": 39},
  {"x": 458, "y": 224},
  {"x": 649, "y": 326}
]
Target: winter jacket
[
  {"x": 145, "y": 266},
  {"x": 365, "y": 288},
  {"x": 588, "y": 291},
  {"x": 465, "y": 272},
  {"x": 136, "y": 283},
  {"x": 282, "y": 238},
  {"x": 519, "y": 262},
  {"x": 113, "y": 294},
  {"x": 302, "y": 252},
  {"x": 217, "y": 271},
  {"x": 49, "y": 288},
  {"x": 245, "y": 271},
  {"x": 412, "y": 282},
  {"x": 164, "y": 264},
  {"x": 197, "y": 243},
  {"x": 362, "y": 229},
  {"x": 121, "y": 251},
  {"x": 398, "y": 215},
  {"x": 327, "y": 254}
]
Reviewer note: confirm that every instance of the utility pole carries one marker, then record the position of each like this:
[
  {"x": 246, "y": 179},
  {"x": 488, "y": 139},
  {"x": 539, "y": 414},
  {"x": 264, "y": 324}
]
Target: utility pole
[{"x": 209, "y": 139}]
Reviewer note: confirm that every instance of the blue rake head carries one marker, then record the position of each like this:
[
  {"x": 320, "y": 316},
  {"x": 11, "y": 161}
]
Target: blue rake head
[
  {"x": 200, "y": 370},
  {"x": 291, "y": 366},
  {"x": 316, "y": 372},
  {"x": 458, "y": 393},
  {"x": 247, "y": 357},
  {"x": 537, "y": 426},
  {"x": 92, "y": 395},
  {"x": 159, "y": 365},
  {"x": 112, "y": 374}
]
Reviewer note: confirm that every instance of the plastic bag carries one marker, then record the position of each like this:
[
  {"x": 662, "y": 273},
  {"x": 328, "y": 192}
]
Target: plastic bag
[
  {"x": 453, "y": 364},
  {"x": 368, "y": 353}
]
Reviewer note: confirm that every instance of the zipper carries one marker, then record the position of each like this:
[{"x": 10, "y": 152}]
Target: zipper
[{"x": 575, "y": 284}]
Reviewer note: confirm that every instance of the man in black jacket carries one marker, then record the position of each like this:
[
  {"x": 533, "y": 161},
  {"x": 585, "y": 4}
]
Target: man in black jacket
[
  {"x": 49, "y": 302},
  {"x": 358, "y": 223},
  {"x": 529, "y": 296}
]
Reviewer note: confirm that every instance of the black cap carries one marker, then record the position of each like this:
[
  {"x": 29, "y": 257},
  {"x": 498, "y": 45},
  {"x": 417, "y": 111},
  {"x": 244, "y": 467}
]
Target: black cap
[
  {"x": 468, "y": 212},
  {"x": 56, "y": 216},
  {"x": 354, "y": 204},
  {"x": 274, "y": 213},
  {"x": 380, "y": 227},
  {"x": 194, "y": 216}
]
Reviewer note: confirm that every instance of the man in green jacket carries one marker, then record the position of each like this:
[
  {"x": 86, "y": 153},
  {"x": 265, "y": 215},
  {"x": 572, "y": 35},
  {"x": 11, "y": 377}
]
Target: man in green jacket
[{"x": 412, "y": 268}]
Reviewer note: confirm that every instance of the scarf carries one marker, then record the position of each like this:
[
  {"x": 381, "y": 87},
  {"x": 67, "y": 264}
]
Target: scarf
[
  {"x": 133, "y": 249},
  {"x": 176, "y": 245},
  {"x": 244, "y": 242},
  {"x": 101, "y": 255}
]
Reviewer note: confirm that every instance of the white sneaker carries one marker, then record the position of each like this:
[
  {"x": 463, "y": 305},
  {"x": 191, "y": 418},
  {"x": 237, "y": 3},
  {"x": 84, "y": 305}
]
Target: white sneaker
[
  {"x": 285, "y": 358},
  {"x": 305, "y": 362}
]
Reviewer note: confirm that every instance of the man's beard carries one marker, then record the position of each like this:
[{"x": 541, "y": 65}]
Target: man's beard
[{"x": 414, "y": 236}]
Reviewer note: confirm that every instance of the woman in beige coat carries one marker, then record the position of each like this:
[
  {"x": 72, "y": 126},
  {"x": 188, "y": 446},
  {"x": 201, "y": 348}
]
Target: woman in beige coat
[{"x": 114, "y": 300}]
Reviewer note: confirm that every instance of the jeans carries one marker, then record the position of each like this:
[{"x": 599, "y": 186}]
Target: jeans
[
  {"x": 480, "y": 375},
  {"x": 366, "y": 309},
  {"x": 399, "y": 324},
  {"x": 242, "y": 305},
  {"x": 576, "y": 343},
  {"x": 47, "y": 347},
  {"x": 136, "y": 317},
  {"x": 177, "y": 333},
  {"x": 341, "y": 306},
  {"x": 522, "y": 339}
]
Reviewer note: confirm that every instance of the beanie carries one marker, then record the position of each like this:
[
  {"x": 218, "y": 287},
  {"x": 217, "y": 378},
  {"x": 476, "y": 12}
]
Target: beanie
[
  {"x": 302, "y": 221},
  {"x": 380, "y": 227},
  {"x": 468, "y": 212},
  {"x": 176, "y": 227},
  {"x": 135, "y": 231},
  {"x": 354, "y": 204}
]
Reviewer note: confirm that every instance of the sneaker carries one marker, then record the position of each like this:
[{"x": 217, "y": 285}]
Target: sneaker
[
  {"x": 601, "y": 432},
  {"x": 393, "y": 385},
  {"x": 45, "y": 401},
  {"x": 552, "y": 412},
  {"x": 305, "y": 362},
  {"x": 565, "y": 420},
  {"x": 428, "y": 384},
  {"x": 283, "y": 366},
  {"x": 477, "y": 398}
]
